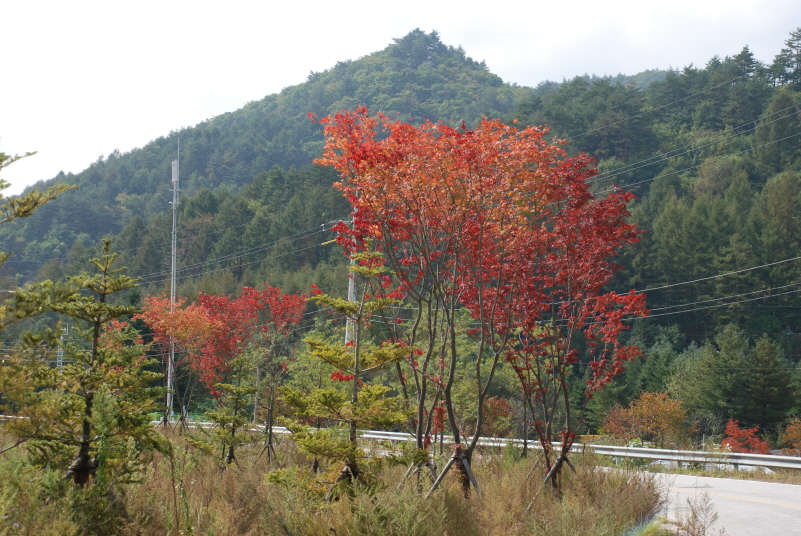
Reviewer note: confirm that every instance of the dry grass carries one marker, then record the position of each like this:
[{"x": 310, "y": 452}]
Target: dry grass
[{"x": 188, "y": 493}]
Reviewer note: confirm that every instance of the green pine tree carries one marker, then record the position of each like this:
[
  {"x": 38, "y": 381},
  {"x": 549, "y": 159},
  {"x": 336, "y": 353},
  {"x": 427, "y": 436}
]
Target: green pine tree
[{"x": 97, "y": 404}]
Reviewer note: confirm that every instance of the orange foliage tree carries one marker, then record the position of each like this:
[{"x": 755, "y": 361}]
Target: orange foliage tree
[
  {"x": 653, "y": 417},
  {"x": 211, "y": 332},
  {"x": 792, "y": 436}
]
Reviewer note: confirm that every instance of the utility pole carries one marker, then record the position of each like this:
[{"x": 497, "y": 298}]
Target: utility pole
[
  {"x": 352, "y": 298},
  {"x": 349, "y": 328},
  {"x": 171, "y": 359}
]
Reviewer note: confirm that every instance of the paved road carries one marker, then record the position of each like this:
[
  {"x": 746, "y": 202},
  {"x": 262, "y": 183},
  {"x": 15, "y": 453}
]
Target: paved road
[{"x": 744, "y": 507}]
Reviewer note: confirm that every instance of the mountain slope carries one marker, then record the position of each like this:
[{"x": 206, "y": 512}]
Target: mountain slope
[{"x": 417, "y": 76}]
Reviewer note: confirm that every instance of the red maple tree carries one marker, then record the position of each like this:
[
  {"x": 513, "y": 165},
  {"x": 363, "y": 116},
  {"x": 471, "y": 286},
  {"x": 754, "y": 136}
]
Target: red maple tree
[
  {"x": 210, "y": 333},
  {"x": 497, "y": 222},
  {"x": 743, "y": 439}
]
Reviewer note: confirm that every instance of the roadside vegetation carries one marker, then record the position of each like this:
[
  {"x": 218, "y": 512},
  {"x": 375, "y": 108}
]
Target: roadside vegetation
[{"x": 183, "y": 491}]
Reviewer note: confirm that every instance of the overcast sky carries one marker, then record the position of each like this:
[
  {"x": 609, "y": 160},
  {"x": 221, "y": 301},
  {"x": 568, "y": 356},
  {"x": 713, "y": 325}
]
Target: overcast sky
[{"x": 81, "y": 78}]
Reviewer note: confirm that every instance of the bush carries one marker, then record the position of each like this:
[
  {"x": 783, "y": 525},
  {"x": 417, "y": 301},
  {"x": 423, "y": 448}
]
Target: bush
[{"x": 743, "y": 439}]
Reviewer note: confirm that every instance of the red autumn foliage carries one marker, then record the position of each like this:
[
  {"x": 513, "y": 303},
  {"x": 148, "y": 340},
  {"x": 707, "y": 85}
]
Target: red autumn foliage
[
  {"x": 216, "y": 329},
  {"x": 500, "y": 222},
  {"x": 339, "y": 376},
  {"x": 743, "y": 439}
]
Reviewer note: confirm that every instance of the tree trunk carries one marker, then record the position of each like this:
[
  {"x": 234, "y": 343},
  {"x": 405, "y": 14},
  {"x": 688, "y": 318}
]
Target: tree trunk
[{"x": 83, "y": 466}]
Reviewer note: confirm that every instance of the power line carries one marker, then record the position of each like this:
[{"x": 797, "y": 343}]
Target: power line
[
  {"x": 711, "y": 140},
  {"x": 706, "y": 162},
  {"x": 241, "y": 253},
  {"x": 660, "y": 107},
  {"x": 721, "y": 304},
  {"x": 719, "y": 275},
  {"x": 164, "y": 243},
  {"x": 229, "y": 267},
  {"x": 726, "y": 297}
]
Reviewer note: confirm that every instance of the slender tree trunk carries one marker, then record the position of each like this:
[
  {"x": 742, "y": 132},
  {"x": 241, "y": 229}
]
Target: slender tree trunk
[
  {"x": 352, "y": 467},
  {"x": 83, "y": 466},
  {"x": 256, "y": 396}
]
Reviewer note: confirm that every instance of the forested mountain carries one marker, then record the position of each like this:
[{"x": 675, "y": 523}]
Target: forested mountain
[
  {"x": 417, "y": 76},
  {"x": 712, "y": 152}
]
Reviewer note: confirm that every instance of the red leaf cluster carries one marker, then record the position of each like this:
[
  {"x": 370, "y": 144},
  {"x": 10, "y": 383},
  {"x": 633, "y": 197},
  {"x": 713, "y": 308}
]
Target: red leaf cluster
[
  {"x": 743, "y": 439},
  {"x": 216, "y": 329},
  {"x": 500, "y": 221}
]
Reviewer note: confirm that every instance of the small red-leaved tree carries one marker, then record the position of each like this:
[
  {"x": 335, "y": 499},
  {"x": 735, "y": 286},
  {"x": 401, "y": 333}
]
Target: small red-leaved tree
[
  {"x": 223, "y": 339},
  {"x": 743, "y": 439},
  {"x": 278, "y": 316},
  {"x": 496, "y": 222},
  {"x": 184, "y": 325}
]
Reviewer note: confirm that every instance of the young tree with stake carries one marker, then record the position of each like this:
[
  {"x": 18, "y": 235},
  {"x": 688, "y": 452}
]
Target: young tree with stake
[{"x": 496, "y": 221}]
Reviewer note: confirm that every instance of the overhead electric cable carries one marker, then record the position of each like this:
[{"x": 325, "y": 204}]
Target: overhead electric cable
[
  {"x": 186, "y": 276},
  {"x": 661, "y": 308},
  {"x": 667, "y": 156},
  {"x": 252, "y": 250},
  {"x": 164, "y": 243},
  {"x": 719, "y": 275},
  {"x": 660, "y": 107},
  {"x": 236, "y": 254},
  {"x": 628, "y": 186},
  {"x": 723, "y": 304}
]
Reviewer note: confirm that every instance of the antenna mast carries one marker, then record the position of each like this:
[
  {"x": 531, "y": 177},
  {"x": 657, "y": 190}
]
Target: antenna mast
[
  {"x": 171, "y": 361},
  {"x": 60, "y": 352}
]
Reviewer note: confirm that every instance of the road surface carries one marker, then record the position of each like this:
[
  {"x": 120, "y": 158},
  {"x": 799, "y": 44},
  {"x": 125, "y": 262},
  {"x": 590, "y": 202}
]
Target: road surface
[{"x": 744, "y": 507}]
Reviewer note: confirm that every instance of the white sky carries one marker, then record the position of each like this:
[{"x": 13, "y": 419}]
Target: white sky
[{"x": 83, "y": 78}]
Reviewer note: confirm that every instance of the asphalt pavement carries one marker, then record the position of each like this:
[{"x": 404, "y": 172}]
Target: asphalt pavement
[{"x": 743, "y": 507}]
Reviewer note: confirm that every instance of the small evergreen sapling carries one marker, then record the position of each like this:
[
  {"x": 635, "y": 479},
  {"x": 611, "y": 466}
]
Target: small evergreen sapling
[
  {"x": 98, "y": 403},
  {"x": 366, "y": 405}
]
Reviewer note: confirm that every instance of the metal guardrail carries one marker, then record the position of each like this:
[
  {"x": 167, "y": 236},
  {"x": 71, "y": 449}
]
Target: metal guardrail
[
  {"x": 679, "y": 456},
  {"x": 692, "y": 456}
]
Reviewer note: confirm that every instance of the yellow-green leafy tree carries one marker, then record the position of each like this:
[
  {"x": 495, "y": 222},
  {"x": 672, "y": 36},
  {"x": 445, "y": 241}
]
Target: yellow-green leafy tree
[{"x": 364, "y": 405}]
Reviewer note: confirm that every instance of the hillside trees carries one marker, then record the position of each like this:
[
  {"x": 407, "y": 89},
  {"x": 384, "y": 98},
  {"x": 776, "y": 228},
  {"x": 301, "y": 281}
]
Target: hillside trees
[
  {"x": 775, "y": 140},
  {"x": 494, "y": 221},
  {"x": 750, "y": 383},
  {"x": 786, "y": 68},
  {"x": 417, "y": 76}
]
